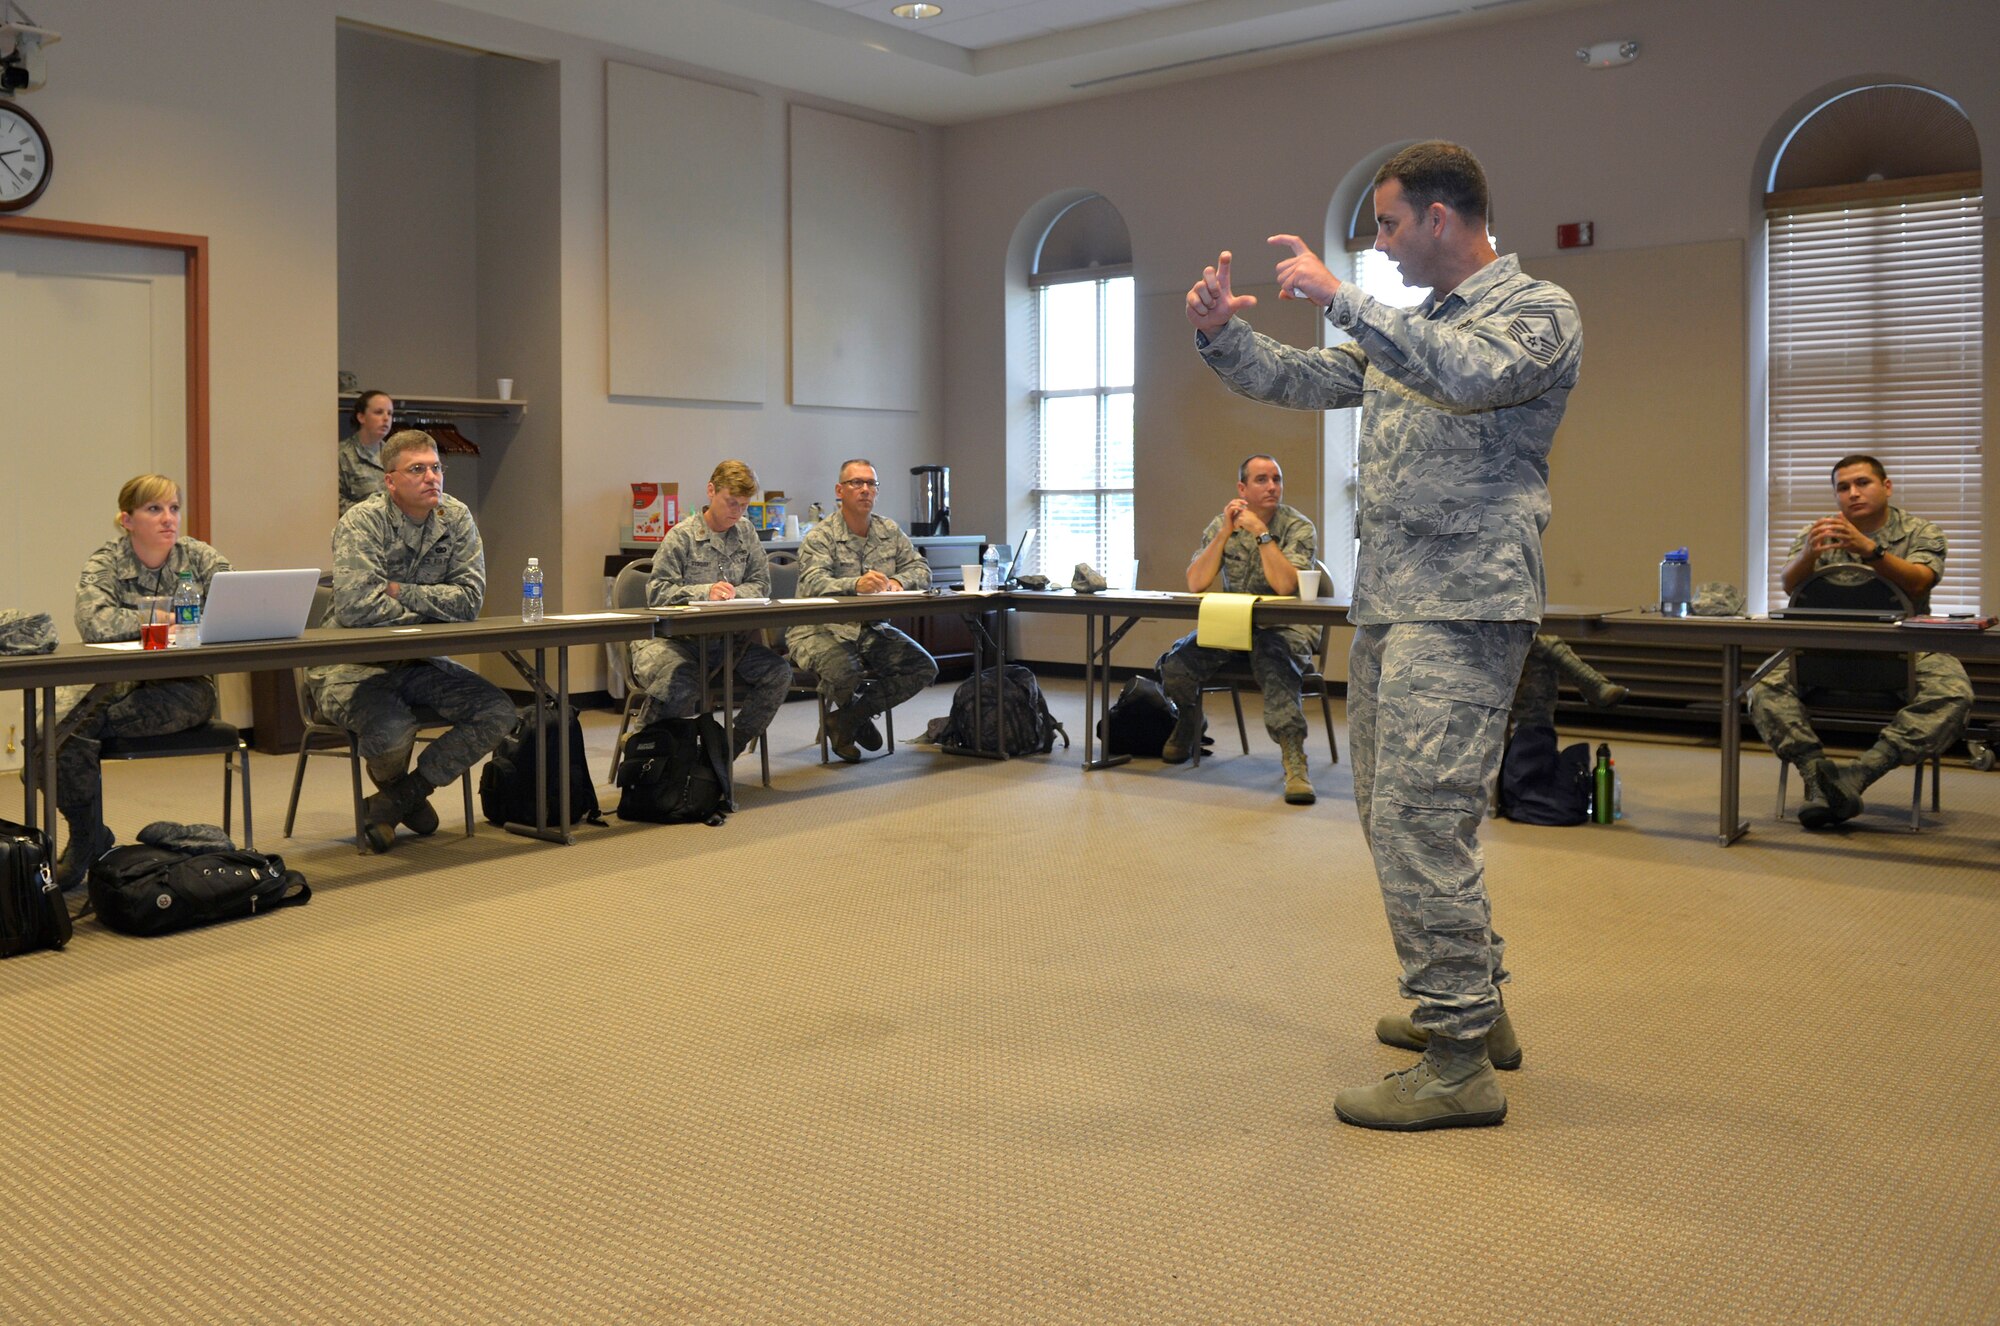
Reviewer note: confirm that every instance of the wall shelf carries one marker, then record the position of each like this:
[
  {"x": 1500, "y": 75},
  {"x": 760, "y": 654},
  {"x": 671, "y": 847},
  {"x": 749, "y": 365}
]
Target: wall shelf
[{"x": 443, "y": 407}]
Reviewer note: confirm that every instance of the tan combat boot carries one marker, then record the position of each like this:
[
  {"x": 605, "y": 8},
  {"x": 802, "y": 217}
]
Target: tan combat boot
[
  {"x": 1452, "y": 1086},
  {"x": 1503, "y": 1047},
  {"x": 1298, "y": 788}
]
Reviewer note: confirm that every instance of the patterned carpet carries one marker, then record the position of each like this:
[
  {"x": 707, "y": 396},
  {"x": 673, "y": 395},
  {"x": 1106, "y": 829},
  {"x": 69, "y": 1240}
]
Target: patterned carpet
[{"x": 938, "y": 1040}]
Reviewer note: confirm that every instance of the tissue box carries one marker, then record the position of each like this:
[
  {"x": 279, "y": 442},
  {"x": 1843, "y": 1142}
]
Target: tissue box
[{"x": 656, "y": 508}]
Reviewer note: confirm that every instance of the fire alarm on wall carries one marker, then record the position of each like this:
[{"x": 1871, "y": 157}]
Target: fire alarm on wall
[{"x": 1575, "y": 235}]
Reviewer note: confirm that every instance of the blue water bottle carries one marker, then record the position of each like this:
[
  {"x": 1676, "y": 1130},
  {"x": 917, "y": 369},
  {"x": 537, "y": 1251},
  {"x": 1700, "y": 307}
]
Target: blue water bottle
[{"x": 1676, "y": 584}]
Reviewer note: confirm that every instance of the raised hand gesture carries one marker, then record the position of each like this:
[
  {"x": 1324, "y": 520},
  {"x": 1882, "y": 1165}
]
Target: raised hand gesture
[
  {"x": 1211, "y": 303},
  {"x": 1303, "y": 275}
]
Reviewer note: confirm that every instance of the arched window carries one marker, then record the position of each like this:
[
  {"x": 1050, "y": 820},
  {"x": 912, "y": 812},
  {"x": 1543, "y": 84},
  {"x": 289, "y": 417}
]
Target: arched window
[
  {"x": 1081, "y": 444},
  {"x": 1874, "y": 257}
]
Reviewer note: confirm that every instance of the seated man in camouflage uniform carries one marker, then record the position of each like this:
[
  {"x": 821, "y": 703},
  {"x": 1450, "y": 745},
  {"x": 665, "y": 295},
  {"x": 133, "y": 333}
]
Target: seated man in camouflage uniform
[
  {"x": 1909, "y": 553},
  {"x": 1550, "y": 663},
  {"x": 710, "y": 556},
  {"x": 1258, "y": 545},
  {"x": 865, "y": 668},
  {"x": 409, "y": 554},
  {"x": 145, "y": 560}
]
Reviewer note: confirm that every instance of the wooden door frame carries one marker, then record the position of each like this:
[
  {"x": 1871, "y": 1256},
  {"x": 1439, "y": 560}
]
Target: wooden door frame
[{"x": 194, "y": 253}]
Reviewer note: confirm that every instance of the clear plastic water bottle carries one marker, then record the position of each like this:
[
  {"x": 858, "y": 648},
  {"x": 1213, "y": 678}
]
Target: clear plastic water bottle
[
  {"x": 531, "y": 591},
  {"x": 989, "y": 568},
  {"x": 1676, "y": 584},
  {"x": 187, "y": 612}
]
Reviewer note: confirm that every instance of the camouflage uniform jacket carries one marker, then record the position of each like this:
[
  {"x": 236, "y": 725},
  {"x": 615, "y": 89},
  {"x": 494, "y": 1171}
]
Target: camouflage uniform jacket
[
  {"x": 360, "y": 472},
  {"x": 438, "y": 565},
  {"x": 1242, "y": 570},
  {"x": 833, "y": 557},
  {"x": 114, "y": 580},
  {"x": 1460, "y": 400},
  {"x": 1909, "y": 537},
  {"x": 694, "y": 557}
]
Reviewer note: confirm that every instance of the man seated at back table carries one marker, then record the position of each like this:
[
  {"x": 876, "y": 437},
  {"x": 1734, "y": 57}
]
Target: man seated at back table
[
  {"x": 713, "y": 556},
  {"x": 865, "y": 668},
  {"x": 1909, "y": 553},
  {"x": 409, "y": 554},
  {"x": 1258, "y": 545}
]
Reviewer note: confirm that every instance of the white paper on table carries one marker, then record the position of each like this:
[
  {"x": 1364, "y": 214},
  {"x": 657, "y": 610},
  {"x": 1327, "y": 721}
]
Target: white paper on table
[
  {"x": 810, "y": 600},
  {"x": 116, "y": 644},
  {"x": 725, "y": 603},
  {"x": 586, "y": 616}
]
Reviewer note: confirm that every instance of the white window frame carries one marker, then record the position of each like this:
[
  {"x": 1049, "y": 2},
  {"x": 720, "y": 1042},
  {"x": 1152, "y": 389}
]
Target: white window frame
[{"x": 1108, "y": 559}]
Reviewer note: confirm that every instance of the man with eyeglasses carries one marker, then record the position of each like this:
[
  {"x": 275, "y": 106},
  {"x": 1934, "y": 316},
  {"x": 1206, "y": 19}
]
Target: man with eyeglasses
[
  {"x": 711, "y": 556},
  {"x": 865, "y": 668},
  {"x": 409, "y": 554}
]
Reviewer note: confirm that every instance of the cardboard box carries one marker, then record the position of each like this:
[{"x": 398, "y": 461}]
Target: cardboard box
[{"x": 656, "y": 508}]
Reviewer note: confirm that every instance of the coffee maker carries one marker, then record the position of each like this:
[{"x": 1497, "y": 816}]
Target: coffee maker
[{"x": 933, "y": 500}]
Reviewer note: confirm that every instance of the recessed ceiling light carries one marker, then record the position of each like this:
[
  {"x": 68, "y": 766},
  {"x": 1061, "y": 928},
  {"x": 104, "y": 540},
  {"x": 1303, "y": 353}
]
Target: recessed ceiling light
[{"x": 916, "y": 11}]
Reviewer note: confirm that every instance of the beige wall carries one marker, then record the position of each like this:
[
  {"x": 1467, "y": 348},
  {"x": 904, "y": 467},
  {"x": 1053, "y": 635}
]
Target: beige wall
[
  {"x": 219, "y": 120},
  {"x": 1662, "y": 155}
]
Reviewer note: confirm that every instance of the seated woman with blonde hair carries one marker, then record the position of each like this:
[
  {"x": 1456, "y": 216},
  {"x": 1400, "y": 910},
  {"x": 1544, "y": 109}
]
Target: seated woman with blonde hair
[{"x": 144, "y": 561}]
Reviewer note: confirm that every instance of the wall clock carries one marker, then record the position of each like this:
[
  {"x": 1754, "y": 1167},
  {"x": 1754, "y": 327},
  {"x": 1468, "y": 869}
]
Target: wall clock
[{"x": 25, "y": 163}]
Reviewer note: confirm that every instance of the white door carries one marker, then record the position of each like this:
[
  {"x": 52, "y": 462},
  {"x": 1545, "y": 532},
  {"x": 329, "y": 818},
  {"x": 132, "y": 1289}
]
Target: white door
[{"x": 93, "y": 390}]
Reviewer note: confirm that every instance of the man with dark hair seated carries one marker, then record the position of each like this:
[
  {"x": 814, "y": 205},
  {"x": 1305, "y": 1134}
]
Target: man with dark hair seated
[{"x": 1908, "y": 552}]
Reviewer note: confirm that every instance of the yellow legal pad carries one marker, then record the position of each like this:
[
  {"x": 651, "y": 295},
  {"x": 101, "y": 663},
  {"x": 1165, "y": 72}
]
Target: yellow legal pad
[{"x": 1224, "y": 622}]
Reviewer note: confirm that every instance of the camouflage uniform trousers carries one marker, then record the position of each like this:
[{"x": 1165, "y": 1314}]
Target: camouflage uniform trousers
[
  {"x": 377, "y": 709},
  {"x": 872, "y": 673},
  {"x": 1932, "y": 720},
  {"x": 1427, "y": 714},
  {"x": 670, "y": 672},
  {"x": 1277, "y": 661},
  {"x": 148, "y": 709}
]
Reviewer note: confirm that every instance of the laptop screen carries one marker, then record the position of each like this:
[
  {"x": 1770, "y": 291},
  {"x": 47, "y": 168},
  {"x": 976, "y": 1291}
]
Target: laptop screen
[{"x": 257, "y": 605}]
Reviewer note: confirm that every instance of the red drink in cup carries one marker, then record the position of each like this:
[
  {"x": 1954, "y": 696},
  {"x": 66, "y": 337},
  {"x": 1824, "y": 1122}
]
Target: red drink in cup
[{"x": 153, "y": 635}]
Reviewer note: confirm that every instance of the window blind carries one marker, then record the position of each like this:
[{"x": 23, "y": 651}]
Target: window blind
[{"x": 1875, "y": 344}]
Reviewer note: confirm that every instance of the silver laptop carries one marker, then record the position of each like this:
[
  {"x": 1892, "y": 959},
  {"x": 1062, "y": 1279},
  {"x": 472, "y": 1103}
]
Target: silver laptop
[{"x": 257, "y": 605}]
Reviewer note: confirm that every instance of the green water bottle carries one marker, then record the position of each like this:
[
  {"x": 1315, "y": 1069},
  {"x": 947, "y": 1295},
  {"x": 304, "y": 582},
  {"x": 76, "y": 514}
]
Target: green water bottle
[{"x": 1601, "y": 794}]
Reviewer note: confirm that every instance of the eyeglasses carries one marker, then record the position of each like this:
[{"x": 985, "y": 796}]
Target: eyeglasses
[
  {"x": 421, "y": 469},
  {"x": 860, "y": 483}
]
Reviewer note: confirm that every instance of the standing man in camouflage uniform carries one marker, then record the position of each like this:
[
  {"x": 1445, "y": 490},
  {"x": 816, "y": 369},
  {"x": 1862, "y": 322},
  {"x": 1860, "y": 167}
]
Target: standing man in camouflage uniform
[
  {"x": 409, "y": 554},
  {"x": 361, "y": 450},
  {"x": 1909, "y": 553},
  {"x": 1258, "y": 545},
  {"x": 865, "y": 668},
  {"x": 1460, "y": 400},
  {"x": 144, "y": 561},
  {"x": 713, "y": 555}
]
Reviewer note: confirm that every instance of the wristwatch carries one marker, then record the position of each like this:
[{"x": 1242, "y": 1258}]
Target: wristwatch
[
  {"x": 1874, "y": 554},
  {"x": 1266, "y": 537}
]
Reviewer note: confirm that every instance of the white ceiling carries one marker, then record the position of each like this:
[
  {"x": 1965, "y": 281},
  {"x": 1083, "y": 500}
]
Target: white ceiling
[{"x": 990, "y": 57}]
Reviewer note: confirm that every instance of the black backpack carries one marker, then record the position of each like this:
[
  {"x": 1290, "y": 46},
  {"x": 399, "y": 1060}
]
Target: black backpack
[
  {"x": 1140, "y": 720},
  {"x": 1031, "y": 728},
  {"x": 507, "y": 784},
  {"x": 145, "y": 890},
  {"x": 675, "y": 771},
  {"x": 1538, "y": 784},
  {"x": 33, "y": 913}
]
